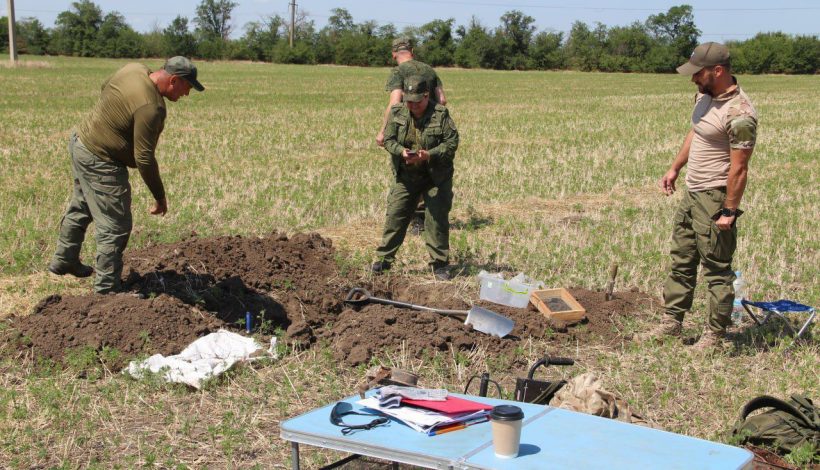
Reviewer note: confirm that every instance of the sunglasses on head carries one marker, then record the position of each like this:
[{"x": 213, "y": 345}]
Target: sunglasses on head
[{"x": 343, "y": 409}]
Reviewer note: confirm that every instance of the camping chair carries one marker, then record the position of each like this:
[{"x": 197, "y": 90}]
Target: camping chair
[{"x": 778, "y": 308}]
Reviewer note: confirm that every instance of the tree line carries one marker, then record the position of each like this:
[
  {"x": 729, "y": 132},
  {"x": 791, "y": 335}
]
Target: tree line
[{"x": 659, "y": 44}]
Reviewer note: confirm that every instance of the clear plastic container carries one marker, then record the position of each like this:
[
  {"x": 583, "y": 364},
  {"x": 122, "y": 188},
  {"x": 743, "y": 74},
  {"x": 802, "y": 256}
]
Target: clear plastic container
[{"x": 514, "y": 292}]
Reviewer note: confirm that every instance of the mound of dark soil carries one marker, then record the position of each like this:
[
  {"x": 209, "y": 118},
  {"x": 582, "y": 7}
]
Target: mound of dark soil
[
  {"x": 180, "y": 291},
  {"x": 357, "y": 334},
  {"x": 123, "y": 322}
]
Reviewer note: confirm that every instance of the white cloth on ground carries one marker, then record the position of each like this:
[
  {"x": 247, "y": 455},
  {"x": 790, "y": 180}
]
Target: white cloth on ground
[{"x": 205, "y": 358}]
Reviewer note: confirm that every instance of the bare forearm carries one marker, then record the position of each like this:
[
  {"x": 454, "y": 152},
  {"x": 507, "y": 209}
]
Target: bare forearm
[
  {"x": 683, "y": 154},
  {"x": 738, "y": 173},
  {"x": 442, "y": 100}
]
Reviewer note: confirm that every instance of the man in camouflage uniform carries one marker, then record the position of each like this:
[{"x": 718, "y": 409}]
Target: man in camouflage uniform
[
  {"x": 422, "y": 140},
  {"x": 717, "y": 151},
  {"x": 406, "y": 67},
  {"x": 122, "y": 131}
]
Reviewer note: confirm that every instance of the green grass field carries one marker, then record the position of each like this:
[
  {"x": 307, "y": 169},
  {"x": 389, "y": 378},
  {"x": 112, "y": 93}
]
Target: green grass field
[{"x": 562, "y": 165}]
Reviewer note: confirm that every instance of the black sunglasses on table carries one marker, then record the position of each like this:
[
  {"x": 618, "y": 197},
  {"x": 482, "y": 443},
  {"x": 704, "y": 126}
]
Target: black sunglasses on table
[{"x": 343, "y": 409}]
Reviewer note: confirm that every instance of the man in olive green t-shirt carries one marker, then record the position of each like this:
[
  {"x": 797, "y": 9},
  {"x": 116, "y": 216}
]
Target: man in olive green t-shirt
[{"x": 122, "y": 131}]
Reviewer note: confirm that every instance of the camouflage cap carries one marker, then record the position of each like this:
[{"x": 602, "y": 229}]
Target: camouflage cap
[
  {"x": 182, "y": 67},
  {"x": 707, "y": 54},
  {"x": 415, "y": 88},
  {"x": 402, "y": 43}
]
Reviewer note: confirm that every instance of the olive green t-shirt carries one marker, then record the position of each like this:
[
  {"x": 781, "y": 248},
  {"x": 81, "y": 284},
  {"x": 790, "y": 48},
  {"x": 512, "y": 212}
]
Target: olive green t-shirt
[
  {"x": 412, "y": 68},
  {"x": 126, "y": 123}
]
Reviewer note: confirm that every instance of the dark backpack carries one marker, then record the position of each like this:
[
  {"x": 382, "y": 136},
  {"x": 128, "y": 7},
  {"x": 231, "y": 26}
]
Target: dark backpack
[{"x": 787, "y": 426}]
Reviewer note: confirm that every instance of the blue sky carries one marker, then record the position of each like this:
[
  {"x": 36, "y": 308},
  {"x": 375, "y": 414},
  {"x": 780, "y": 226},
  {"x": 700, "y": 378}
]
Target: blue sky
[{"x": 718, "y": 21}]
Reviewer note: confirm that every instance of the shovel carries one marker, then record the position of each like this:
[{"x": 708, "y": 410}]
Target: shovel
[{"x": 481, "y": 319}]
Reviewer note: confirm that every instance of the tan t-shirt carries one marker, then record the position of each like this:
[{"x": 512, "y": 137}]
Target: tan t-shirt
[
  {"x": 126, "y": 123},
  {"x": 721, "y": 123}
]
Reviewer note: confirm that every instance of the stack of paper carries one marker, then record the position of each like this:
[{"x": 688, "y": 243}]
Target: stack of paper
[{"x": 432, "y": 417}]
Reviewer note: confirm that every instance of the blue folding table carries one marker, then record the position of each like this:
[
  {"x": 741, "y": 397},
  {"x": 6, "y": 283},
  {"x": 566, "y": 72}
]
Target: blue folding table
[{"x": 550, "y": 438}]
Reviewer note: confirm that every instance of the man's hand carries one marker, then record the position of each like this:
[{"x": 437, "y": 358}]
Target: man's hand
[
  {"x": 415, "y": 158},
  {"x": 724, "y": 222},
  {"x": 380, "y": 138},
  {"x": 160, "y": 207},
  {"x": 667, "y": 183}
]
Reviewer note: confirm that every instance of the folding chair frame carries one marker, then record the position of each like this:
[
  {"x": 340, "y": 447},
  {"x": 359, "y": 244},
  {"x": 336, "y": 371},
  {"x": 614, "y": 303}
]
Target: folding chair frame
[{"x": 769, "y": 313}]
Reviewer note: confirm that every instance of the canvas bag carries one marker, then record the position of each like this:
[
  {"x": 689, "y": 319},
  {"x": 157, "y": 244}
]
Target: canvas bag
[
  {"x": 585, "y": 394},
  {"x": 786, "y": 426}
]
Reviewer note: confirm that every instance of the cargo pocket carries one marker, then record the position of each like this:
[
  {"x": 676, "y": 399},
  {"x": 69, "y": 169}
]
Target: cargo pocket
[
  {"x": 724, "y": 242},
  {"x": 718, "y": 244}
]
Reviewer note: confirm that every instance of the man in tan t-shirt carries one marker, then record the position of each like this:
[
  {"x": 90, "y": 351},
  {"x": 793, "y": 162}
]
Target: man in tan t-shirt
[
  {"x": 716, "y": 152},
  {"x": 122, "y": 131}
]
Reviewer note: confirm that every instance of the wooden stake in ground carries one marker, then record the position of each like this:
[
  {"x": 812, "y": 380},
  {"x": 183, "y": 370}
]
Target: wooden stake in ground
[
  {"x": 12, "y": 39},
  {"x": 613, "y": 272}
]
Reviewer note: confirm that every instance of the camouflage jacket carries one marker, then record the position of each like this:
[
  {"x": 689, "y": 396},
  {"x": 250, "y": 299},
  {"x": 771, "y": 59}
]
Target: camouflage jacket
[
  {"x": 436, "y": 133},
  {"x": 410, "y": 68}
]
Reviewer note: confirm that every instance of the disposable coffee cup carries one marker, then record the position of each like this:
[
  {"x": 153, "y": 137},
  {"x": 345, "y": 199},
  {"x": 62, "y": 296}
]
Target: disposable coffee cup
[{"x": 506, "y": 421}]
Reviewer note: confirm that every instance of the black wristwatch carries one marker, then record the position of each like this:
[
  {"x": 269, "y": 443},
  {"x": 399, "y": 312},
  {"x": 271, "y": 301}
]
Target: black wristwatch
[{"x": 725, "y": 212}]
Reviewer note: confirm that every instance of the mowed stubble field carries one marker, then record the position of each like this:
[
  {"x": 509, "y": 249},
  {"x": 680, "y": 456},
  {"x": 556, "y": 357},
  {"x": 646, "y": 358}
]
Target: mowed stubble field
[{"x": 555, "y": 177}]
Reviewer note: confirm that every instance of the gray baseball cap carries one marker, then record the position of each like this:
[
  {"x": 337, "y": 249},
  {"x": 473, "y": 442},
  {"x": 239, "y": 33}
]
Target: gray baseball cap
[
  {"x": 182, "y": 67},
  {"x": 707, "y": 54}
]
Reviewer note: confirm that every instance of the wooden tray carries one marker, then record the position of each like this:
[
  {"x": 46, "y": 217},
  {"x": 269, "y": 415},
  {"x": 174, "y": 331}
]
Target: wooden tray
[{"x": 540, "y": 299}]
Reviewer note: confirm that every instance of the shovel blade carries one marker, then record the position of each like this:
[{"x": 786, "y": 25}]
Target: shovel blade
[{"x": 487, "y": 321}]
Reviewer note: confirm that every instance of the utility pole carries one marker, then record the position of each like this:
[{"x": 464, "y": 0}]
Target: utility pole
[
  {"x": 292, "y": 20},
  {"x": 12, "y": 39}
]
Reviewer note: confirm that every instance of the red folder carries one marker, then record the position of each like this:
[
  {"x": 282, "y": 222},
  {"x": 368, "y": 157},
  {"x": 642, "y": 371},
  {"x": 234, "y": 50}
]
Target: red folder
[{"x": 452, "y": 405}]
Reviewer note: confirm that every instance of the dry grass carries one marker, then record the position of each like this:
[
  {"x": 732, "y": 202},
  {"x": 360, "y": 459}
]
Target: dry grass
[{"x": 555, "y": 177}]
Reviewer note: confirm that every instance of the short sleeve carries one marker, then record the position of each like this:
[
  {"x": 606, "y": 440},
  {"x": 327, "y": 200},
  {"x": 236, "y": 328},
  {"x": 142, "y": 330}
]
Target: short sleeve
[
  {"x": 741, "y": 125},
  {"x": 394, "y": 82}
]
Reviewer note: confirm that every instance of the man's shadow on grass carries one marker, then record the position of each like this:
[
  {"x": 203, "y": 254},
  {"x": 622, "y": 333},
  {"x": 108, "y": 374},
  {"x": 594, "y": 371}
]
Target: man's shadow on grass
[
  {"x": 228, "y": 299},
  {"x": 773, "y": 334}
]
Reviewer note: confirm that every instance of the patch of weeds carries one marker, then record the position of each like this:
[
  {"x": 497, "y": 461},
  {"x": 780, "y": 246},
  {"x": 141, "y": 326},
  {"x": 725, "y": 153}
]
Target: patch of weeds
[
  {"x": 84, "y": 361},
  {"x": 803, "y": 456}
]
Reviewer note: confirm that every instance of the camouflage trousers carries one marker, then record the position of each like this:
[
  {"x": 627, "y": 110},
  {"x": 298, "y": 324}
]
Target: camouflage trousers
[
  {"x": 697, "y": 240},
  {"x": 101, "y": 194},
  {"x": 401, "y": 205}
]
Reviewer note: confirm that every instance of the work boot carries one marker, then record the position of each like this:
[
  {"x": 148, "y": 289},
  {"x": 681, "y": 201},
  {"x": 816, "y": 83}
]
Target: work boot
[
  {"x": 417, "y": 224},
  {"x": 379, "y": 267},
  {"x": 442, "y": 273},
  {"x": 710, "y": 340},
  {"x": 668, "y": 326},
  {"x": 77, "y": 270}
]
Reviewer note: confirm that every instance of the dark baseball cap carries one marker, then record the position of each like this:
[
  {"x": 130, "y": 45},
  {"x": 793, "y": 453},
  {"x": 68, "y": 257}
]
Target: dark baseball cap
[
  {"x": 182, "y": 67},
  {"x": 402, "y": 43},
  {"x": 415, "y": 88},
  {"x": 707, "y": 54}
]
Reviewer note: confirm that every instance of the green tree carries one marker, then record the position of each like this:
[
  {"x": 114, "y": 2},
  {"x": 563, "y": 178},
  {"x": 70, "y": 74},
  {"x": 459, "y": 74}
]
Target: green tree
[
  {"x": 513, "y": 38},
  {"x": 116, "y": 39},
  {"x": 805, "y": 55},
  {"x": 476, "y": 47},
  {"x": 261, "y": 37},
  {"x": 4, "y": 34},
  {"x": 626, "y": 49},
  {"x": 178, "y": 39},
  {"x": 675, "y": 29},
  {"x": 437, "y": 46},
  {"x": 546, "y": 52},
  {"x": 586, "y": 47},
  {"x": 75, "y": 31},
  {"x": 213, "y": 19}
]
